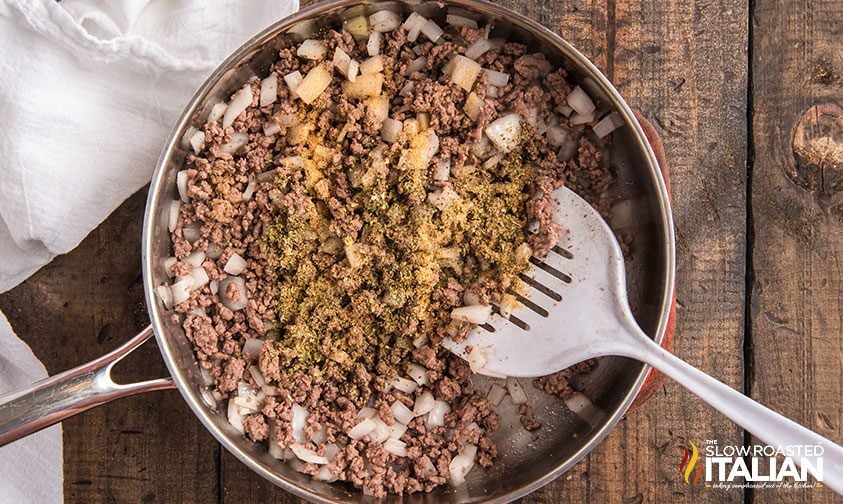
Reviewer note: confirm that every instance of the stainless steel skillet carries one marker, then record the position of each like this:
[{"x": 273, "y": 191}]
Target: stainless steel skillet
[{"x": 525, "y": 465}]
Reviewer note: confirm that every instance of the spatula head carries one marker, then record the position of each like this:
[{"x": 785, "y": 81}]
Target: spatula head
[{"x": 571, "y": 305}]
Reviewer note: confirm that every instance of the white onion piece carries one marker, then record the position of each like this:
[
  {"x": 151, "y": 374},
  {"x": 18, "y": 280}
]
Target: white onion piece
[
  {"x": 473, "y": 106},
  {"x": 196, "y": 258},
  {"x": 496, "y": 394},
  {"x": 496, "y": 78},
  {"x": 442, "y": 198},
  {"x": 395, "y": 447},
  {"x": 353, "y": 67},
  {"x": 215, "y": 250},
  {"x": 217, "y": 112},
  {"x": 173, "y": 215},
  {"x": 608, "y": 124},
  {"x": 317, "y": 80},
  {"x": 257, "y": 376},
  {"x": 421, "y": 340},
  {"x": 367, "y": 412},
  {"x": 331, "y": 451},
  {"x": 214, "y": 285},
  {"x": 424, "y": 403},
  {"x": 200, "y": 278},
  {"x": 478, "y": 49},
  {"x": 385, "y": 21},
  {"x": 250, "y": 190},
  {"x": 516, "y": 391},
  {"x": 312, "y": 49},
  {"x": 244, "y": 390},
  {"x": 476, "y": 358},
  {"x": 475, "y": 314},
  {"x": 413, "y": 25},
  {"x": 269, "y": 90},
  {"x": 208, "y": 398},
  {"x": 492, "y": 91},
  {"x": 461, "y": 465},
  {"x": 431, "y": 30},
  {"x": 271, "y": 128},
  {"x": 505, "y": 132},
  {"x": 166, "y": 296},
  {"x": 493, "y": 161},
  {"x": 298, "y": 422},
  {"x": 418, "y": 373},
  {"x": 192, "y": 232},
  {"x": 325, "y": 475},
  {"x": 436, "y": 416},
  {"x": 197, "y": 142},
  {"x": 417, "y": 65},
  {"x": 235, "y": 417},
  {"x": 252, "y": 348},
  {"x": 457, "y": 20},
  {"x": 341, "y": 61},
  {"x": 380, "y": 433},
  {"x": 269, "y": 390},
  {"x": 238, "y": 140},
  {"x": 464, "y": 72},
  {"x": 401, "y": 413},
  {"x": 582, "y": 406},
  {"x": 404, "y": 385},
  {"x": 297, "y": 465},
  {"x": 578, "y": 119},
  {"x": 391, "y": 129},
  {"x": 482, "y": 148},
  {"x": 580, "y": 102},
  {"x": 168, "y": 265},
  {"x": 238, "y": 104},
  {"x": 372, "y": 65},
  {"x": 235, "y": 265},
  {"x": 396, "y": 430},
  {"x": 568, "y": 149},
  {"x": 362, "y": 429},
  {"x": 185, "y": 139},
  {"x": 471, "y": 298},
  {"x": 240, "y": 285},
  {"x": 247, "y": 403},
  {"x": 565, "y": 110},
  {"x": 556, "y": 135},
  {"x": 442, "y": 172},
  {"x": 378, "y": 108},
  {"x": 293, "y": 79},
  {"x": 373, "y": 45},
  {"x": 180, "y": 291},
  {"x": 307, "y": 455}
]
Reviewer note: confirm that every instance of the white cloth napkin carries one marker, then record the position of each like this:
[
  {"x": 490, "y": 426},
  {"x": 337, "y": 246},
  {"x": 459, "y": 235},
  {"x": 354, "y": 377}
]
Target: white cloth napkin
[{"x": 89, "y": 90}]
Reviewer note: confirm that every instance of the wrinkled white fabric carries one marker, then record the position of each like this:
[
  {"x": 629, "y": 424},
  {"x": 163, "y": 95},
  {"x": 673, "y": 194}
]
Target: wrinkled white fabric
[{"x": 90, "y": 89}]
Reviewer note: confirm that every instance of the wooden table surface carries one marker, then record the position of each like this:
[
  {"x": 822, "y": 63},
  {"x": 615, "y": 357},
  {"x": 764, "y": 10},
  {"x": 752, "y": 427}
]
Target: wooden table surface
[{"x": 729, "y": 86}]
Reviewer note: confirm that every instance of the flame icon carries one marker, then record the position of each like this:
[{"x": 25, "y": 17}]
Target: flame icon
[{"x": 690, "y": 459}]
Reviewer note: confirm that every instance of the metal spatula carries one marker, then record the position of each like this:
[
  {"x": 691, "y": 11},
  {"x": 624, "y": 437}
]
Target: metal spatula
[{"x": 575, "y": 308}]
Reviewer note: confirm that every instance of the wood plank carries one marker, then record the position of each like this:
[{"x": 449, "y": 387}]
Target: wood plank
[
  {"x": 797, "y": 208},
  {"x": 148, "y": 448}
]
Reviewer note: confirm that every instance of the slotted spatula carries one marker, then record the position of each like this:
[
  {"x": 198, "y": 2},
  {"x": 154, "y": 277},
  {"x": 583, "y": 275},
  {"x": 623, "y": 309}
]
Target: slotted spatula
[{"x": 575, "y": 308}]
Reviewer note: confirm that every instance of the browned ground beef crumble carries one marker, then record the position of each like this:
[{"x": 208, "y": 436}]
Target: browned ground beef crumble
[{"x": 333, "y": 389}]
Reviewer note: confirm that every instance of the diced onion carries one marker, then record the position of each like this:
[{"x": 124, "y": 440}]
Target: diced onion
[
  {"x": 197, "y": 142},
  {"x": 471, "y": 298},
  {"x": 181, "y": 290},
  {"x": 240, "y": 285},
  {"x": 196, "y": 258},
  {"x": 396, "y": 430},
  {"x": 385, "y": 21},
  {"x": 457, "y": 20},
  {"x": 353, "y": 67},
  {"x": 312, "y": 49},
  {"x": 492, "y": 91},
  {"x": 395, "y": 447},
  {"x": 523, "y": 252},
  {"x": 401, "y": 413},
  {"x": 442, "y": 172},
  {"x": 238, "y": 140},
  {"x": 565, "y": 110},
  {"x": 257, "y": 376},
  {"x": 357, "y": 26},
  {"x": 214, "y": 285},
  {"x": 568, "y": 149},
  {"x": 252, "y": 348},
  {"x": 200, "y": 278},
  {"x": 516, "y": 391},
  {"x": 168, "y": 265},
  {"x": 192, "y": 232},
  {"x": 341, "y": 61},
  {"x": 331, "y": 451},
  {"x": 431, "y": 30},
  {"x": 436, "y": 416},
  {"x": 460, "y": 465},
  {"x": 217, "y": 112},
  {"x": 269, "y": 390},
  {"x": 442, "y": 198},
  {"x": 404, "y": 385},
  {"x": 496, "y": 78},
  {"x": 578, "y": 119},
  {"x": 247, "y": 403},
  {"x": 293, "y": 79},
  {"x": 297, "y": 465},
  {"x": 421, "y": 340},
  {"x": 298, "y": 422},
  {"x": 250, "y": 190},
  {"x": 390, "y": 130},
  {"x": 269, "y": 90},
  {"x": 215, "y": 250},
  {"x": 476, "y": 358},
  {"x": 496, "y": 394},
  {"x": 325, "y": 475},
  {"x": 608, "y": 124},
  {"x": 235, "y": 265},
  {"x": 581, "y": 405},
  {"x": 505, "y": 132},
  {"x": 476, "y": 314},
  {"x": 556, "y": 135},
  {"x": 424, "y": 403},
  {"x": 373, "y": 45},
  {"x": 367, "y": 412},
  {"x": 378, "y": 108},
  {"x": 417, "y": 65},
  {"x": 173, "y": 215},
  {"x": 465, "y": 72},
  {"x": 473, "y": 106},
  {"x": 380, "y": 433},
  {"x": 372, "y": 65},
  {"x": 482, "y": 148},
  {"x": 478, "y": 48},
  {"x": 307, "y": 455},
  {"x": 418, "y": 373},
  {"x": 239, "y": 103},
  {"x": 181, "y": 183},
  {"x": 317, "y": 80},
  {"x": 364, "y": 86},
  {"x": 362, "y": 429},
  {"x": 166, "y": 296},
  {"x": 580, "y": 101},
  {"x": 413, "y": 25},
  {"x": 271, "y": 128},
  {"x": 235, "y": 418}
]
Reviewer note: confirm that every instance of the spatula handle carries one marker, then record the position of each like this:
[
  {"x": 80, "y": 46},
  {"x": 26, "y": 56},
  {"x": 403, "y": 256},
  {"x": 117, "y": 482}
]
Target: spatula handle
[{"x": 769, "y": 426}]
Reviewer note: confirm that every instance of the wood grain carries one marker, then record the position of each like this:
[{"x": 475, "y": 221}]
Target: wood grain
[
  {"x": 148, "y": 448},
  {"x": 797, "y": 207}
]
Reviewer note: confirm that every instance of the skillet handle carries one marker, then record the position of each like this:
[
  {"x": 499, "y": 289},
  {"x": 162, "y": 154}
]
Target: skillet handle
[{"x": 55, "y": 398}]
